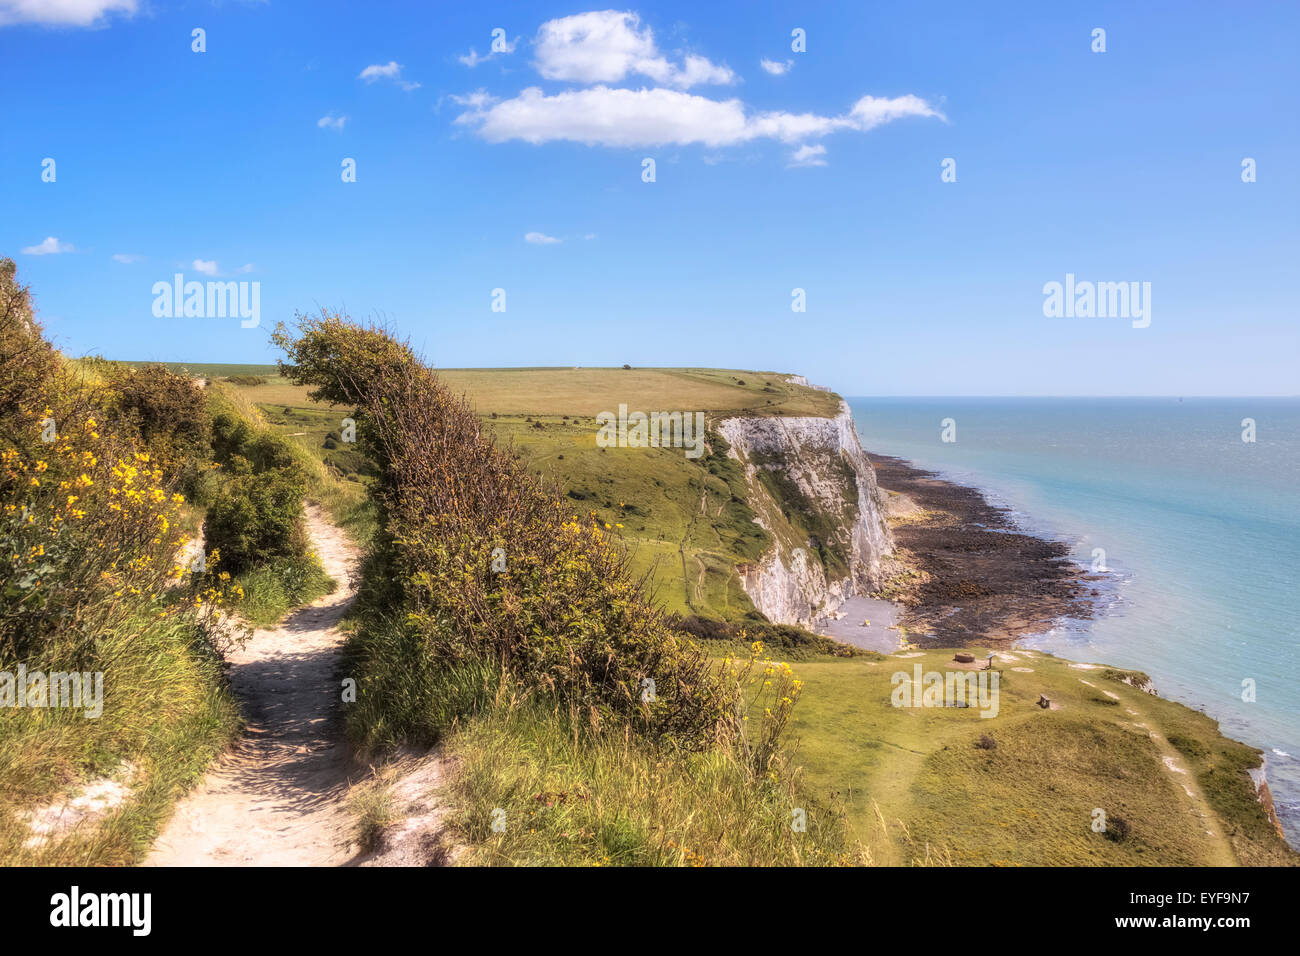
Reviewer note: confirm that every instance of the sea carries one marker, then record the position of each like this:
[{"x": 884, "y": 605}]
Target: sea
[{"x": 1192, "y": 508}]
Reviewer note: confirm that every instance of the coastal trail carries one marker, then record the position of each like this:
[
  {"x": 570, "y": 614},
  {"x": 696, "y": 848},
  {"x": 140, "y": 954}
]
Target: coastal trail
[
  {"x": 278, "y": 798},
  {"x": 1212, "y": 825}
]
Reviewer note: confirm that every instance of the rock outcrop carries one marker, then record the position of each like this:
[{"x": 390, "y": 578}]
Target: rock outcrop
[{"x": 813, "y": 488}]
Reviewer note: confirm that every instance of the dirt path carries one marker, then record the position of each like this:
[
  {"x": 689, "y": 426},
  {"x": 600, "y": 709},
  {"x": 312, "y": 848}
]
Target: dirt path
[
  {"x": 277, "y": 798},
  {"x": 1220, "y": 845}
]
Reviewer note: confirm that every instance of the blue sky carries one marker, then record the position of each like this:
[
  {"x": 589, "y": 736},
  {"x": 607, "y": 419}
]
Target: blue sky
[{"x": 1116, "y": 166}]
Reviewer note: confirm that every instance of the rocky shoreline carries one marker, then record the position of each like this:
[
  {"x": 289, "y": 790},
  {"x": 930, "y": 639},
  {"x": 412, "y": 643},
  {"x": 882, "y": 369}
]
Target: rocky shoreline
[{"x": 963, "y": 573}]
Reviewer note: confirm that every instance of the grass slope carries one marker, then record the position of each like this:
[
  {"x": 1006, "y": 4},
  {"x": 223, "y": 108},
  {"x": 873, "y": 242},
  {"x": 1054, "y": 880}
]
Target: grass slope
[{"x": 1029, "y": 801}]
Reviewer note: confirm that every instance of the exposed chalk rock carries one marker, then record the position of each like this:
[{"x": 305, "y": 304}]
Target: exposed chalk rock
[{"x": 813, "y": 488}]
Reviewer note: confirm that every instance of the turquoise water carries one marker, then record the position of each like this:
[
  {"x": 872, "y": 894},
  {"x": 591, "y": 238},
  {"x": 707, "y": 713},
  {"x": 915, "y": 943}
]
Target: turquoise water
[{"x": 1201, "y": 533}]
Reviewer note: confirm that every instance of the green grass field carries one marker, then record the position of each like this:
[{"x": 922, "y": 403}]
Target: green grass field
[
  {"x": 1030, "y": 799},
  {"x": 587, "y": 391}
]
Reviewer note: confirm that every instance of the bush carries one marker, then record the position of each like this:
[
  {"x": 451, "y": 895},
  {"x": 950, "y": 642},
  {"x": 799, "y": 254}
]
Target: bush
[
  {"x": 230, "y": 433},
  {"x": 27, "y": 361},
  {"x": 1117, "y": 829},
  {"x": 247, "y": 381},
  {"x": 242, "y": 447},
  {"x": 257, "y": 518},
  {"x": 88, "y": 515},
  {"x": 168, "y": 411},
  {"x": 792, "y": 641}
]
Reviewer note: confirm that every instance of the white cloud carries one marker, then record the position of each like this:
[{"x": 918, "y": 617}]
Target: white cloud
[
  {"x": 248, "y": 267},
  {"x": 776, "y": 67},
  {"x": 600, "y": 116},
  {"x": 50, "y": 247},
  {"x": 64, "y": 13},
  {"x": 541, "y": 239},
  {"x": 808, "y": 156},
  {"x": 206, "y": 266},
  {"x": 605, "y": 46},
  {"x": 873, "y": 111},
  {"x": 478, "y": 100},
  {"x": 330, "y": 121},
  {"x": 392, "y": 70},
  {"x": 472, "y": 59},
  {"x": 126, "y": 258}
]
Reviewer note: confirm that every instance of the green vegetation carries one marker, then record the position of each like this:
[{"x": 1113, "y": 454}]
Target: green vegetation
[
  {"x": 272, "y": 589},
  {"x": 371, "y": 803},
  {"x": 685, "y": 522},
  {"x": 254, "y": 521},
  {"x": 90, "y": 526},
  {"x": 1029, "y": 799},
  {"x": 609, "y": 799},
  {"x": 106, "y": 472},
  {"x": 585, "y": 392},
  {"x": 807, "y": 520}
]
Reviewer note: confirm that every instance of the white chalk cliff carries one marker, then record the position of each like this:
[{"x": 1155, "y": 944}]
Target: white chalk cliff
[{"x": 813, "y": 488}]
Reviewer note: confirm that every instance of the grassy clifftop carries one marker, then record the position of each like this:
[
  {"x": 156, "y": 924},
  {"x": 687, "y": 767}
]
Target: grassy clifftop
[{"x": 587, "y": 391}]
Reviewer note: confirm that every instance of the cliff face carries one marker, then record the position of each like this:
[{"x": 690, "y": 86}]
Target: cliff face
[{"x": 812, "y": 487}]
